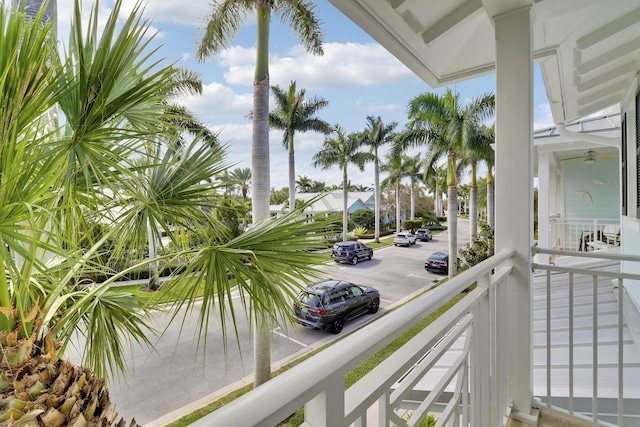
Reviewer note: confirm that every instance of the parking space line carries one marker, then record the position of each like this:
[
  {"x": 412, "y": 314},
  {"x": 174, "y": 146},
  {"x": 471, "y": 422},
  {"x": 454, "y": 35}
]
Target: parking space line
[{"x": 276, "y": 331}]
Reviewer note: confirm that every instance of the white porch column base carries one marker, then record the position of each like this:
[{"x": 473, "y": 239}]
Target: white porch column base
[{"x": 514, "y": 190}]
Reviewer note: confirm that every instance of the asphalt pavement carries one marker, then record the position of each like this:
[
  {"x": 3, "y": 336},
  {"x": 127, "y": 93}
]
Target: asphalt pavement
[{"x": 183, "y": 374}]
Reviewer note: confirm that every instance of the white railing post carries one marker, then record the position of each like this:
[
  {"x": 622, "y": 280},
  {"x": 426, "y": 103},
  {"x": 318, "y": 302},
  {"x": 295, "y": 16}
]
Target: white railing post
[
  {"x": 327, "y": 408},
  {"x": 481, "y": 368}
]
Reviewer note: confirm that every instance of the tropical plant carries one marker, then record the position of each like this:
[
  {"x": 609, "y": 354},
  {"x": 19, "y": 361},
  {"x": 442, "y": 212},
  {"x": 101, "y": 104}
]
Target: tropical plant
[
  {"x": 451, "y": 123},
  {"x": 395, "y": 167},
  {"x": 238, "y": 180},
  {"x": 376, "y": 136},
  {"x": 57, "y": 182},
  {"x": 479, "y": 149},
  {"x": 295, "y": 113},
  {"x": 303, "y": 183},
  {"x": 413, "y": 167},
  {"x": 342, "y": 149},
  {"x": 223, "y": 23}
]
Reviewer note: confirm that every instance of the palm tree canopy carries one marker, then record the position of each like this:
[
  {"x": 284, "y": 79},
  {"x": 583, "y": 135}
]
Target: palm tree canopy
[
  {"x": 341, "y": 149},
  {"x": 295, "y": 113},
  {"x": 227, "y": 16}
]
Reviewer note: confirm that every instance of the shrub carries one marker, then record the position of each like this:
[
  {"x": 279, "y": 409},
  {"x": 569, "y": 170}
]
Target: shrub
[
  {"x": 359, "y": 231},
  {"x": 364, "y": 218},
  {"x": 429, "y": 219},
  {"x": 411, "y": 224},
  {"x": 480, "y": 248}
]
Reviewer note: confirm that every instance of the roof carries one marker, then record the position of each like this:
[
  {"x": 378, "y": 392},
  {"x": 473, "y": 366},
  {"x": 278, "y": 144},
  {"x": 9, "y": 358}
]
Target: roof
[
  {"x": 588, "y": 50},
  {"x": 333, "y": 201}
]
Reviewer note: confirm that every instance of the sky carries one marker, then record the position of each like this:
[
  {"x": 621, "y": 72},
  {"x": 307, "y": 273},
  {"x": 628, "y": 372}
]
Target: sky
[{"x": 356, "y": 75}]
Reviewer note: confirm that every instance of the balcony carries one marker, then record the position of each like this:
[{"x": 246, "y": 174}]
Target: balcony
[{"x": 458, "y": 367}]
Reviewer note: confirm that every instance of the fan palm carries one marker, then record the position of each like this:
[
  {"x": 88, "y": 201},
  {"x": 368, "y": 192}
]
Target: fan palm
[
  {"x": 294, "y": 113},
  {"x": 223, "y": 23},
  {"x": 452, "y": 123},
  {"x": 342, "y": 149}
]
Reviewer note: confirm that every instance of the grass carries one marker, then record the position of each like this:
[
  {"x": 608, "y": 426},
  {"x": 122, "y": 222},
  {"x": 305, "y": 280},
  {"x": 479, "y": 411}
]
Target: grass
[{"x": 351, "y": 378}]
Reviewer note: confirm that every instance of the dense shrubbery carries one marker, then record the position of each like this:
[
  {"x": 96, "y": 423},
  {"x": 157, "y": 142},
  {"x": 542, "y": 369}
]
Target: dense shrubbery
[
  {"x": 411, "y": 224},
  {"x": 480, "y": 248},
  {"x": 364, "y": 218}
]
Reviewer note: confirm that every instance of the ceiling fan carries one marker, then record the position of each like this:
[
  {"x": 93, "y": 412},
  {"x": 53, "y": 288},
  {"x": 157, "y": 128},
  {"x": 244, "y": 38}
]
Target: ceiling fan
[{"x": 590, "y": 157}]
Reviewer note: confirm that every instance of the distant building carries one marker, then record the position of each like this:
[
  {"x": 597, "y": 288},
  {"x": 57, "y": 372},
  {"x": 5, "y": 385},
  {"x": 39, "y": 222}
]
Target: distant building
[
  {"x": 31, "y": 7},
  {"x": 331, "y": 203}
]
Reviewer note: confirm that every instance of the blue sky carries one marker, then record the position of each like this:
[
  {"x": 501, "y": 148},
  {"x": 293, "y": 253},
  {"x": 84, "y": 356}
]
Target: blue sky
[{"x": 356, "y": 75}]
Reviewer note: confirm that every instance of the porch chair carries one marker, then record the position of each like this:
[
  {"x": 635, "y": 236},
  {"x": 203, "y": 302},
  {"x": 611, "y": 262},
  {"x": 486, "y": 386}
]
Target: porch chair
[{"x": 611, "y": 233}]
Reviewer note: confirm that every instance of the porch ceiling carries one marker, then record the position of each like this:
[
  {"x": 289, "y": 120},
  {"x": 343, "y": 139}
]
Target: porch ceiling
[{"x": 588, "y": 50}]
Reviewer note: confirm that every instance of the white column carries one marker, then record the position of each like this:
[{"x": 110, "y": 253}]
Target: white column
[
  {"x": 544, "y": 195},
  {"x": 514, "y": 190}
]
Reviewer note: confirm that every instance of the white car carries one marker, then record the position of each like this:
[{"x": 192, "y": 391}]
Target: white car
[{"x": 404, "y": 238}]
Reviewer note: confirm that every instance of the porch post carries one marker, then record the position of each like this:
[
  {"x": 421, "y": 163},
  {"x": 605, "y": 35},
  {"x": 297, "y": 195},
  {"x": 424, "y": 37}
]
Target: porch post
[
  {"x": 543, "y": 206},
  {"x": 514, "y": 191}
]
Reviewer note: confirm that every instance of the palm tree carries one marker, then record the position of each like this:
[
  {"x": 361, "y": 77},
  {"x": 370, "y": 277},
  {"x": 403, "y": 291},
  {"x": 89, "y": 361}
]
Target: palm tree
[
  {"x": 436, "y": 179},
  {"x": 294, "y": 113},
  {"x": 224, "y": 21},
  {"x": 413, "y": 166},
  {"x": 318, "y": 187},
  {"x": 240, "y": 179},
  {"x": 304, "y": 184},
  {"x": 396, "y": 167},
  {"x": 479, "y": 149},
  {"x": 376, "y": 136},
  {"x": 342, "y": 149},
  {"x": 453, "y": 124},
  {"x": 57, "y": 182}
]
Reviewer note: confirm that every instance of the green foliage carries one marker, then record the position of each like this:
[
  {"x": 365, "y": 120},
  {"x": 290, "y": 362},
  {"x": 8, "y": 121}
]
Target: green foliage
[
  {"x": 480, "y": 248},
  {"x": 359, "y": 232},
  {"x": 429, "y": 219},
  {"x": 411, "y": 224},
  {"x": 365, "y": 218}
]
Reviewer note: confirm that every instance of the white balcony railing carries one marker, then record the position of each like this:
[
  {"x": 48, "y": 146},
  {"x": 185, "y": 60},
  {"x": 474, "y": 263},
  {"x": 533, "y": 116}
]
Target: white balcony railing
[
  {"x": 587, "y": 364},
  {"x": 456, "y": 366},
  {"x": 450, "y": 367},
  {"x": 575, "y": 234}
]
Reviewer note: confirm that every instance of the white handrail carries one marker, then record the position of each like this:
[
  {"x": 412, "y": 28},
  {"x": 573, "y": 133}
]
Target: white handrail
[{"x": 318, "y": 382}]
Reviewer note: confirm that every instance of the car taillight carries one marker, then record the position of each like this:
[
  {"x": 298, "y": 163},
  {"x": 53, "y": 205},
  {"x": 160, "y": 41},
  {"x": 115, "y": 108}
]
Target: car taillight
[{"x": 320, "y": 312}]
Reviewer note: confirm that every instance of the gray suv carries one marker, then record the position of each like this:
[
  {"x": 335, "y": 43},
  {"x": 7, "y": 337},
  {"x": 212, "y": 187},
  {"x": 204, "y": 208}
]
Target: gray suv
[
  {"x": 329, "y": 304},
  {"x": 351, "y": 252}
]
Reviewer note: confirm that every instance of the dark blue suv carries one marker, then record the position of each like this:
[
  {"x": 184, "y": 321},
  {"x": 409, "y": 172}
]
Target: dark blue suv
[{"x": 351, "y": 252}]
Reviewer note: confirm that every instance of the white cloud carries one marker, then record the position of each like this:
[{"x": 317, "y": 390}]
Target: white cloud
[
  {"x": 342, "y": 65},
  {"x": 218, "y": 100},
  {"x": 187, "y": 13},
  {"x": 543, "y": 116}
]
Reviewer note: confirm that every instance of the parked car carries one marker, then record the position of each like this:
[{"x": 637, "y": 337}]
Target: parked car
[
  {"x": 351, "y": 252},
  {"x": 437, "y": 262},
  {"x": 424, "y": 234},
  {"x": 404, "y": 238},
  {"x": 329, "y": 304}
]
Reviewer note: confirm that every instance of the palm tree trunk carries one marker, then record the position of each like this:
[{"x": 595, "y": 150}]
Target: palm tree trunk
[
  {"x": 345, "y": 213},
  {"x": 376, "y": 184},
  {"x": 413, "y": 201},
  {"x": 473, "y": 211},
  {"x": 452, "y": 226},
  {"x": 397, "y": 205},
  {"x": 292, "y": 176},
  {"x": 260, "y": 173},
  {"x": 154, "y": 282},
  {"x": 491, "y": 216}
]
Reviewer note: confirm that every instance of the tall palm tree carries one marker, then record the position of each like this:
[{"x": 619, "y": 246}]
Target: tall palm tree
[
  {"x": 435, "y": 176},
  {"x": 453, "y": 122},
  {"x": 395, "y": 166},
  {"x": 413, "y": 169},
  {"x": 342, "y": 149},
  {"x": 294, "y": 113},
  {"x": 376, "y": 136},
  {"x": 224, "y": 21},
  {"x": 479, "y": 149}
]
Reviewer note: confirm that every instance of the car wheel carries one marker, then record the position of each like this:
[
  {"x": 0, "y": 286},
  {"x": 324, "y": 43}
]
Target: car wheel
[
  {"x": 354, "y": 260},
  {"x": 336, "y": 326},
  {"x": 370, "y": 256},
  {"x": 374, "y": 306}
]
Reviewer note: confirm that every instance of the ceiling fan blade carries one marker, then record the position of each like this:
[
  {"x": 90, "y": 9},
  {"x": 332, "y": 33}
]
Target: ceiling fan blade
[{"x": 572, "y": 158}]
